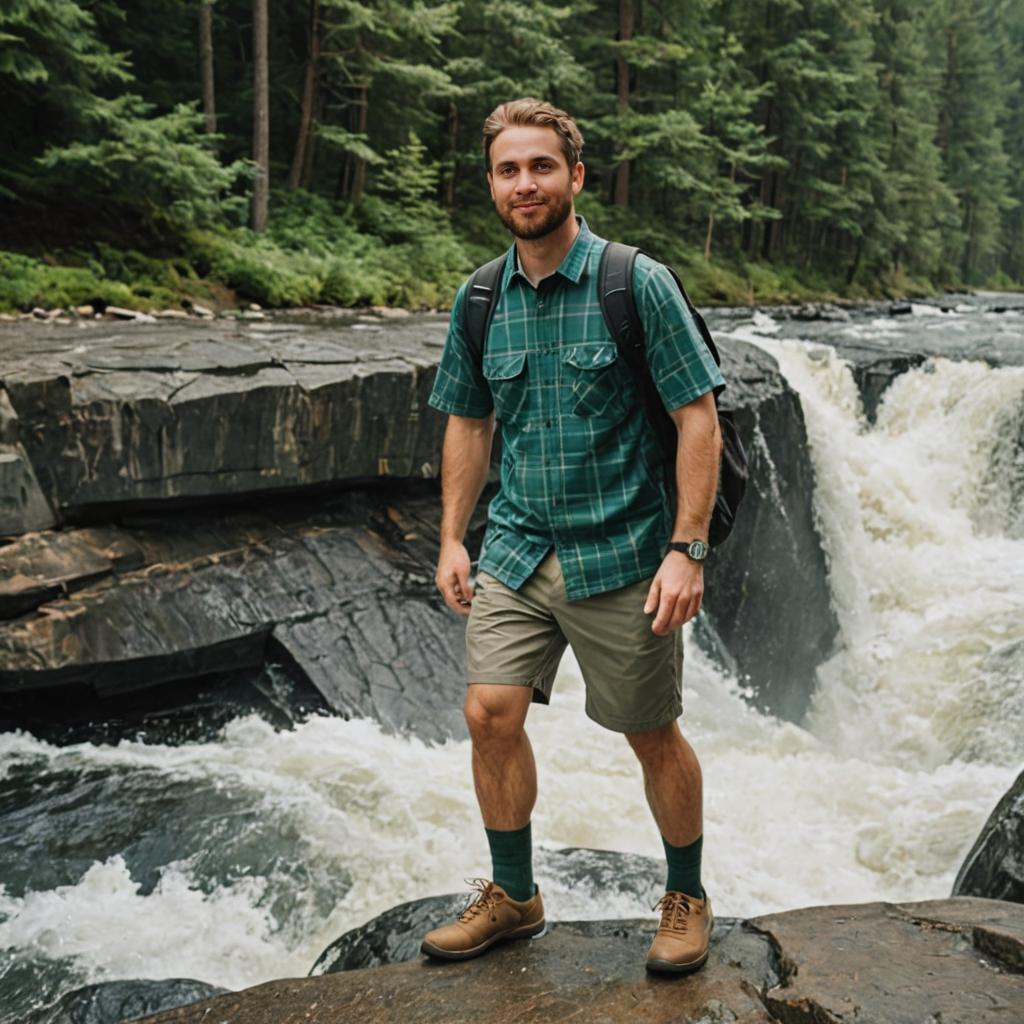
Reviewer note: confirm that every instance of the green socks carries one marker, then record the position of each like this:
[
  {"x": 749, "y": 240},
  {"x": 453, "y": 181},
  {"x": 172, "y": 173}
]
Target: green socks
[
  {"x": 512, "y": 857},
  {"x": 684, "y": 867}
]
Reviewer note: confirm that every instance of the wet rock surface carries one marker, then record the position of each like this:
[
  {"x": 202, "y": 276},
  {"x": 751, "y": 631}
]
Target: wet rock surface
[
  {"x": 944, "y": 960},
  {"x": 956, "y": 961},
  {"x": 994, "y": 867},
  {"x": 148, "y": 432},
  {"x": 344, "y": 596},
  {"x": 769, "y": 612},
  {"x": 112, "y": 1001},
  {"x": 983, "y": 327},
  {"x": 116, "y": 413}
]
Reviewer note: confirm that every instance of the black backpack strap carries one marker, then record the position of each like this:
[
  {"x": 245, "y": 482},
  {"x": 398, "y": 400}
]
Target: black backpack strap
[
  {"x": 618, "y": 306},
  {"x": 478, "y": 305}
]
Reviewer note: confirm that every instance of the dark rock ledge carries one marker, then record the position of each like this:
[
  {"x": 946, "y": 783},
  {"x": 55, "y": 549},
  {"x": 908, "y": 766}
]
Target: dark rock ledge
[
  {"x": 958, "y": 961},
  {"x": 994, "y": 867},
  {"x": 344, "y": 595},
  {"x": 151, "y": 432}
]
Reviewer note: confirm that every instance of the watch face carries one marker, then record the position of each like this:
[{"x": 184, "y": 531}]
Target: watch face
[{"x": 698, "y": 550}]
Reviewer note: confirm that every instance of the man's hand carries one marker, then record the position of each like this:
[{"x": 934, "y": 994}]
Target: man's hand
[
  {"x": 452, "y": 577},
  {"x": 676, "y": 592}
]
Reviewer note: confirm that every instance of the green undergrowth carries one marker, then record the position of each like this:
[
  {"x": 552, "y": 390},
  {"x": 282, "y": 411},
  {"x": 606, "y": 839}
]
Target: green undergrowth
[{"x": 315, "y": 254}]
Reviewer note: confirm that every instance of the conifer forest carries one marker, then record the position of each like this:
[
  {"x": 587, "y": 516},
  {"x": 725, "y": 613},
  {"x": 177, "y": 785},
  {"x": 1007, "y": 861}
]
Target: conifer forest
[{"x": 328, "y": 151}]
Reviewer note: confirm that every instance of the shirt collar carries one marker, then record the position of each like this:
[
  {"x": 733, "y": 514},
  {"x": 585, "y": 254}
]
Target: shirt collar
[{"x": 573, "y": 265}]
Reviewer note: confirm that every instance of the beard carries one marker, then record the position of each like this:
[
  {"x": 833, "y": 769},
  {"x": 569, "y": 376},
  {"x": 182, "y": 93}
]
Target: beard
[{"x": 553, "y": 213}]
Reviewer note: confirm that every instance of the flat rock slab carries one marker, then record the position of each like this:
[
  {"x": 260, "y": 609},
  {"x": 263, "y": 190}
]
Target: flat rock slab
[
  {"x": 113, "y": 413},
  {"x": 591, "y": 972},
  {"x": 955, "y": 961},
  {"x": 880, "y": 963},
  {"x": 343, "y": 594}
]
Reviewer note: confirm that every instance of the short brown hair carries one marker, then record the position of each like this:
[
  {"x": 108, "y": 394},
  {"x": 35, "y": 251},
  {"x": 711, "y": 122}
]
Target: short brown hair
[{"x": 532, "y": 113}]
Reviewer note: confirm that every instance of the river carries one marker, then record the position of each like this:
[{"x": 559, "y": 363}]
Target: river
[{"x": 237, "y": 857}]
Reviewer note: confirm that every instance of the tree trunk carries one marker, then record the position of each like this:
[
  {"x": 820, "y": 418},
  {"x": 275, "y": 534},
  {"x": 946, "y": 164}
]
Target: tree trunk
[
  {"x": 261, "y": 116},
  {"x": 206, "y": 63},
  {"x": 307, "y": 165},
  {"x": 626, "y": 24},
  {"x": 453, "y": 155},
  {"x": 359, "y": 174},
  {"x": 309, "y": 94},
  {"x": 707, "y": 238}
]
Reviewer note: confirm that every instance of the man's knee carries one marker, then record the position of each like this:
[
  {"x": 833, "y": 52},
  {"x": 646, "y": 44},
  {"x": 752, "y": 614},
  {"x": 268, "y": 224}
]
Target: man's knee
[
  {"x": 653, "y": 744},
  {"x": 495, "y": 713}
]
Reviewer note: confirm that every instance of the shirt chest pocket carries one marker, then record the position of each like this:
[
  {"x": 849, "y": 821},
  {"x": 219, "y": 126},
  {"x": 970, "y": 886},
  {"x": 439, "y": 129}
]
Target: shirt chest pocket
[
  {"x": 506, "y": 377},
  {"x": 592, "y": 380}
]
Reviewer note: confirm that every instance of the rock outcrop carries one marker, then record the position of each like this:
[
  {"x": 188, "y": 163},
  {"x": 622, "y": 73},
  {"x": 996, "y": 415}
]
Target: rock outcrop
[
  {"x": 957, "y": 961},
  {"x": 769, "y": 611},
  {"x": 345, "y": 595},
  {"x": 161, "y": 432},
  {"x": 110, "y": 1001},
  {"x": 994, "y": 867},
  {"x": 113, "y": 414}
]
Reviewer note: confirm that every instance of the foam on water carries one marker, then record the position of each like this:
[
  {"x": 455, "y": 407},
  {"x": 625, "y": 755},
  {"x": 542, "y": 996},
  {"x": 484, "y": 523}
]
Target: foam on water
[{"x": 915, "y": 732}]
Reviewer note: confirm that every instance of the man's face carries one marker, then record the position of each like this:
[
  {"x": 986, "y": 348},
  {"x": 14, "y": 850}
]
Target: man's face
[{"x": 531, "y": 184}]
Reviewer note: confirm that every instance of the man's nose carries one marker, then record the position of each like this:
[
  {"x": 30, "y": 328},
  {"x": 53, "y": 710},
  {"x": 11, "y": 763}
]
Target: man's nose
[{"x": 526, "y": 182}]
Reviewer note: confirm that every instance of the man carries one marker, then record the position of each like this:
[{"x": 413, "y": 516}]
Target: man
[{"x": 576, "y": 546}]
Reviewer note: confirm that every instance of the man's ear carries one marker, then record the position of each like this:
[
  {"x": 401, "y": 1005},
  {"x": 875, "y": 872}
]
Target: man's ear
[
  {"x": 578, "y": 174},
  {"x": 490, "y": 184}
]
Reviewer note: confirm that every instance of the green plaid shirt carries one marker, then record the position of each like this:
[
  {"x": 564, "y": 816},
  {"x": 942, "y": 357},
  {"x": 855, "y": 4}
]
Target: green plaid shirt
[{"x": 581, "y": 469}]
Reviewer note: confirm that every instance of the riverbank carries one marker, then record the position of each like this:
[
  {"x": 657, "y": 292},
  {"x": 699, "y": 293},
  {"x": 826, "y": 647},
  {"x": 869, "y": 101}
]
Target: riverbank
[{"x": 237, "y": 270}]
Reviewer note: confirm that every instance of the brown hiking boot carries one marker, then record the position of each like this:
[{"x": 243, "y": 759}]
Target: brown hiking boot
[
  {"x": 684, "y": 935},
  {"x": 493, "y": 916}
]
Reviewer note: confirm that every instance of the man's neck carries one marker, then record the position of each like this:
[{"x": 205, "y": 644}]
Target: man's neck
[{"x": 540, "y": 257}]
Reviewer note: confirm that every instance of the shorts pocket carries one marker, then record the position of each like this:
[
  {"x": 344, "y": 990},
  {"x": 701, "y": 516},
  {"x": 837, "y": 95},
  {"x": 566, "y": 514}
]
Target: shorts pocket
[
  {"x": 592, "y": 380},
  {"x": 506, "y": 377}
]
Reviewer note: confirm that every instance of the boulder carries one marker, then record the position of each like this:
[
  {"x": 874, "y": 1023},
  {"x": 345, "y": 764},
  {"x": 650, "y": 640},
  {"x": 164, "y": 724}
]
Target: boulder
[
  {"x": 994, "y": 867},
  {"x": 768, "y": 614},
  {"x": 591, "y": 970},
  {"x": 111, "y": 1001},
  {"x": 957, "y": 961},
  {"x": 875, "y": 366},
  {"x": 394, "y": 936}
]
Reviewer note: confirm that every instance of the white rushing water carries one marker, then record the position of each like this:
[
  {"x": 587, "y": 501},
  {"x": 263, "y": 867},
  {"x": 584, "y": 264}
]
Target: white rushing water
[{"x": 915, "y": 731}]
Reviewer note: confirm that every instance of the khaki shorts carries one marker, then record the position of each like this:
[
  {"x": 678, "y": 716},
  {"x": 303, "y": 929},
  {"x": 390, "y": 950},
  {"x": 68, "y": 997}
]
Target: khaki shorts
[{"x": 517, "y": 637}]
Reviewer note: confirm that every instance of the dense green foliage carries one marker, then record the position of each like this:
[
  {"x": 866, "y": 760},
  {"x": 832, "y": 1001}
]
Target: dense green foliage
[{"x": 769, "y": 148}]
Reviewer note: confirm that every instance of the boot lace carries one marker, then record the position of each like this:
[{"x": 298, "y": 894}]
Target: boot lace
[
  {"x": 486, "y": 900},
  {"x": 675, "y": 910}
]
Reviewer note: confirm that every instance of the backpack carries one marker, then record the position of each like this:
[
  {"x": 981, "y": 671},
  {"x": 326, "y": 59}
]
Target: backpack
[{"x": 615, "y": 289}]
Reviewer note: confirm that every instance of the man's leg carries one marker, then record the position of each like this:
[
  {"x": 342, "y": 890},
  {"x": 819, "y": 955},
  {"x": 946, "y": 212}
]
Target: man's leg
[
  {"x": 672, "y": 781},
  {"x": 505, "y": 778},
  {"x": 673, "y": 784}
]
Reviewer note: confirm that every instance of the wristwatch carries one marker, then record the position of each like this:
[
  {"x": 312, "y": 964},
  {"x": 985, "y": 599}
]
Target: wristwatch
[{"x": 695, "y": 549}]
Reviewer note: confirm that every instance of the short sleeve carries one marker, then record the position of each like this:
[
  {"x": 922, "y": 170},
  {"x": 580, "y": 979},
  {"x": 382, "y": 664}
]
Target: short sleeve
[
  {"x": 681, "y": 364},
  {"x": 460, "y": 387}
]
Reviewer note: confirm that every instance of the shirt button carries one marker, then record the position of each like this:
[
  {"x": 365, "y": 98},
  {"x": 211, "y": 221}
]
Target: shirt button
[
  {"x": 540, "y": 303},
  {"x": 547, "y": 423}
]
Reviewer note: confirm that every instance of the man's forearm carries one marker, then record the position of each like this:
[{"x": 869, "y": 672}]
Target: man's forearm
[
  {"x": 698, "y": 455},
  {"x": 465, "y": 457}
]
